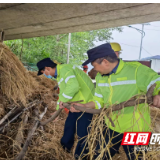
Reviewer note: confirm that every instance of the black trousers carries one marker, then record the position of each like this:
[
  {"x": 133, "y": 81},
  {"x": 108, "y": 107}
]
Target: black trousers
[
  {"x": 116, "y": 142},
  {"x": 82, "y": 120}
]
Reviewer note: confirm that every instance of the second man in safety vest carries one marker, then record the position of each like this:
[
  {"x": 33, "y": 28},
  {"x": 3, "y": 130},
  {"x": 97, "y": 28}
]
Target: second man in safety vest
[{"x": 74, "y": 85}]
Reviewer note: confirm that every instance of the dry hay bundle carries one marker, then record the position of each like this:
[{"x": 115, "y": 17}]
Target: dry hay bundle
[
  {"x": 43, "y": 81},
  {"x": 20, "y": 86},
  {"x": 45, "y": 143},
  {"x": 14, "y": 80},
  {"x": 44, "y": 90}
]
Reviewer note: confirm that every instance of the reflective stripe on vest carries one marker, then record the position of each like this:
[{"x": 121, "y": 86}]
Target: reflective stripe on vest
[
  {"x": 60, "y": 81},
  {"x": 66, "y": 80},
  {"x": 98, "y": 95},
  {"x": 152, "y": 82},
  {"x": 65, "y": 96},
  {"x": 98, "y": 104},
  {"x": 117, "y": 83}
]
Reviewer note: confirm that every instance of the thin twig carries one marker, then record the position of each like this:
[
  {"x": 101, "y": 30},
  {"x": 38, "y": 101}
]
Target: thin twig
[
  {"x": 53, "y": 117},
  {"x": 6, "y": 116},
  {"x": 19, "y": 113},
  {"x": 132, "y": 102},
  {"x": 30, "y": 134},
  {"x": 19, "y": 137},
  {"x": 129, "y": 103}
]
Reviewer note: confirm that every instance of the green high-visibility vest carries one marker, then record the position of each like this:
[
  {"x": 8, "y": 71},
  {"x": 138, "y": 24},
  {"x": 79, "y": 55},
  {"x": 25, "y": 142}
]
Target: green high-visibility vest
[
  {"x": 74, "y": 84},
  {"x": 130, "y": 79}
]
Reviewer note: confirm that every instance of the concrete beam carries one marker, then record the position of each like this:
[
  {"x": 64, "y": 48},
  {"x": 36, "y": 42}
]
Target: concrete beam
[{"x": 34, "y": 20}]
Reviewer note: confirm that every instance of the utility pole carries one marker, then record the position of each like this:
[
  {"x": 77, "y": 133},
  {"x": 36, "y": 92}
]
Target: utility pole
[
  {"x": 142, "y": 35},
  {"x": 69, "y": 44}
]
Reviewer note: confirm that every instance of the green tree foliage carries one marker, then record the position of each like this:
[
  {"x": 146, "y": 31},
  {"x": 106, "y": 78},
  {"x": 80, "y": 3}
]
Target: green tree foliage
[{"x": 34, "y": 49}]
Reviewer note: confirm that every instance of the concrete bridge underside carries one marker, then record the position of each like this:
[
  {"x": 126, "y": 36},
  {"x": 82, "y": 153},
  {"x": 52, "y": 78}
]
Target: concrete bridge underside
[{"x": 34, "y": 20}]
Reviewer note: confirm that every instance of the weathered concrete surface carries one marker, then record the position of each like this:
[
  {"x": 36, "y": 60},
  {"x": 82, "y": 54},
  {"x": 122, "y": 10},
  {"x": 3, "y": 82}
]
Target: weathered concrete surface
[{"x": 33, "y": 20}]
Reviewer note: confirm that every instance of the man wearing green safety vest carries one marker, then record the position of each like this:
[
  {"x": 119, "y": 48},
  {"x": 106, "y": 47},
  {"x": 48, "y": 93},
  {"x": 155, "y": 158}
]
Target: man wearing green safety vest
[
  {"x": 74, "y": 85},
  {"x": 116, "y": 82}
]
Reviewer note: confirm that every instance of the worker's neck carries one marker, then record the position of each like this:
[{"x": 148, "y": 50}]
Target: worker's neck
[{"x": 113, "y": 65}]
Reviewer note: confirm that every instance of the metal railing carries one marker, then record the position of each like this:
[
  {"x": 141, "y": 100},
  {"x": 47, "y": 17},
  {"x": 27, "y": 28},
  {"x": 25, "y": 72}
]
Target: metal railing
[{"x": 30, "y": 66}]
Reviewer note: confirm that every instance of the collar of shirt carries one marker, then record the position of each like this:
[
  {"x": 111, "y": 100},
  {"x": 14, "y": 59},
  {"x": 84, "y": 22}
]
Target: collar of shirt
[
  {"x": 113, "y": 71},
  {"x": 55, "y": 75}
]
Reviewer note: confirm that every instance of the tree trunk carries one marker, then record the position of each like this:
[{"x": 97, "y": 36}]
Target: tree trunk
[{"x": 21, "y": 51}]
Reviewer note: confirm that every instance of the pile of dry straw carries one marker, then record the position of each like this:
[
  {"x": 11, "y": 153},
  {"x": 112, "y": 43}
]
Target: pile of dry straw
[{"x": 21, "y": 89}]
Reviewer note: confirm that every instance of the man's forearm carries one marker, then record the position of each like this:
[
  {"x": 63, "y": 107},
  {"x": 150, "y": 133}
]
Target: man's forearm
[{"x": 90, "y": 105}]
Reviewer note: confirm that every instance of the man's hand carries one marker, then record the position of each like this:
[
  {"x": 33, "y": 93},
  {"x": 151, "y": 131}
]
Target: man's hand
[
  {"x": 61, "y": 105},
  {"x": 72, "y": 109},
  {"x": 56, "y": 117},
  {"x": 156, "y": 101}
]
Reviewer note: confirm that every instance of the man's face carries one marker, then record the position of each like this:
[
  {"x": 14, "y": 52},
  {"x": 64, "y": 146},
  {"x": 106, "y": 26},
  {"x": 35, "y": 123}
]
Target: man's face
[
  {"x": 103, "y": 68},
  {"x": 47, "y": 71}
]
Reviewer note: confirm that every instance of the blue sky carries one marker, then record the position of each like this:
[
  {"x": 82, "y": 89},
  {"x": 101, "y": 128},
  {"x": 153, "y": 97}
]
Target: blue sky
[{"x": 130, "y": 40}]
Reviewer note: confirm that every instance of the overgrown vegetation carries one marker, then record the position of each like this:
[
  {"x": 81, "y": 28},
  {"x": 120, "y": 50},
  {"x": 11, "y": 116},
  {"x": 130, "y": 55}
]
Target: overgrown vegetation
[{"x": 34, "y": 49}]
